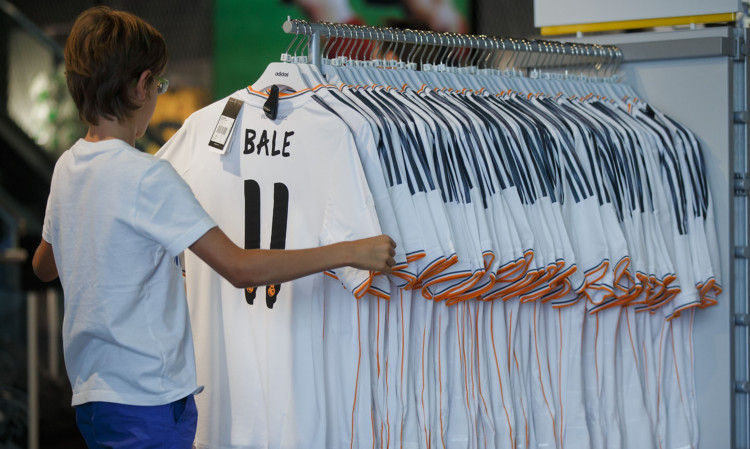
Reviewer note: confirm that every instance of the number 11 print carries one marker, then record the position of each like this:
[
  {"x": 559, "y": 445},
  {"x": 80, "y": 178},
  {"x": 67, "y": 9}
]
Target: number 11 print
[{"x": 253, "y": 225}]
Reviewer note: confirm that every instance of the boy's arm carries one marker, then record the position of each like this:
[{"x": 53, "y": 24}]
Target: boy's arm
[
  {"x": 44, "y": 262},
  {"x": 255, "y": 267}
]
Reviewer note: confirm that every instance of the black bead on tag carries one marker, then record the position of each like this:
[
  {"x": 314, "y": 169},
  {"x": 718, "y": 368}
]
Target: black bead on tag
[{"x": 271, "y": 106}]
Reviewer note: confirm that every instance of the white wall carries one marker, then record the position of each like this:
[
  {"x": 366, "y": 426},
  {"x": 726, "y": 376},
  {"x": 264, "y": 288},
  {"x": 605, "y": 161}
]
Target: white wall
[{"x": 567, "y": 12}]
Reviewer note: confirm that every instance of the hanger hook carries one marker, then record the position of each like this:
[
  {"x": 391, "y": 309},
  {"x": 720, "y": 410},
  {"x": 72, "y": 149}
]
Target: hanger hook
[
  {"x": 422, "y": 46},
  {"x": 503, "y": 61},
  {"x": 563, "y": 49},
  {"x": 541, "y": 53},
  {"x": 496, "y": 55},
  {"x": 600, "y": 59},
  {"x": 492, "y": 49},
  {"x": 618, "y": 59},
  {"x": 458, "y": 45},
  {"x": 358, "y": 42},
  {"x": 612, "y": 59},
  {"x": 551, "y": 56},
  {"x": 529, "y": 52},
  {"x": 291, "y": 43},
  {"x": 514, "y": 54},
  {"x": 396, "y": 41},
  {"x": 554, "y": 55},
  {"x": 444, "y": 49},
  {"x": 371, "y": 36},
  {"x": 607, "y": 63},
  {"x": 390, "y": 41},
  {"x": 329, "y": 39},
  {"x": 425, "y": 52},
  {"x": 467, "y": 49},
  {"x": 341, "y": 40},
  {"x": 447, "y": 48},
  {"x": 451, "y": 49},
  {"x": 418, "y": 49},
  {"x": 379, "y": 43},
  {"x": 481, "y": 43},
  {"x": 301, "y": 41},
  {"x": 400, "y": 34},
  {"x": 524, "y": 53},
  {"x": 453, "y": 58},
  {"x": 579, "y": 56},
  {"x": 430, "y": 38},
  {"x": 308, "y": 31},
  {"x": 371, "y": 42},
  {"x": 466, "y": 46},
  {"x": 348, "y": 41},
  {"x": 554, "y": 59},
  {"x": 417, "y": 46},
  {"x": 519, "y": 53}
]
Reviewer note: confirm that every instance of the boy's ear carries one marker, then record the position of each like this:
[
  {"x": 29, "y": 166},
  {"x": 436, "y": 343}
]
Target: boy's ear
[{"x": 141, "y": 86}]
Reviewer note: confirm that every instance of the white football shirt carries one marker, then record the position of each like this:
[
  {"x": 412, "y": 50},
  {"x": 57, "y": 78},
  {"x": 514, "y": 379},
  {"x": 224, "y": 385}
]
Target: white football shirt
[{"x": 292, "y": 182}]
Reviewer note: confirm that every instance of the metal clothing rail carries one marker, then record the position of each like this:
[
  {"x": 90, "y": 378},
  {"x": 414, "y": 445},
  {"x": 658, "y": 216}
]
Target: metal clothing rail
[{"x": 535, "y": 53}]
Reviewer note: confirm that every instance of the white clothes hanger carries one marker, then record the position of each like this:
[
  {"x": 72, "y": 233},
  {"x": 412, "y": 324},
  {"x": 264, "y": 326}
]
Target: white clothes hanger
[
  {"x": 286, "y": 75},
  {"x": 343, "y": 61},
  {"x": 374, "y": 71},
  {"x": 469, "y": 69},
  {"x": 448, "y": 61},
  {"x": 394, "y": 67},
  {"x": 490, "y": 74},
  {"x": 330, "y": 66},
  {"x": 310, "y": 72},
  {"x": 413, "y": 77}
]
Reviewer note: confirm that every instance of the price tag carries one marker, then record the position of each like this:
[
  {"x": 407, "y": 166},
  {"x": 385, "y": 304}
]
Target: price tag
[{"x": 223, "y": 129}]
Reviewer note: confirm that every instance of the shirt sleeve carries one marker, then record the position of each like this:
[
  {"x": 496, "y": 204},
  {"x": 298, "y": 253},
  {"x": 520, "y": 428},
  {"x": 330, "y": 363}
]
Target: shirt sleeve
[
  {"x": 47, "y": 225},
  {"x": 193, "y": 136},
  {"x": 179, "y": 149},
  {"x": 350, "y": 211},
  {"x": 167, "y": 211}
]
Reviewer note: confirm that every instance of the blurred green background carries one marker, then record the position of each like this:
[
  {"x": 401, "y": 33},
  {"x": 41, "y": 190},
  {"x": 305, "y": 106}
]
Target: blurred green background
[{"x": 248, "y": 35}]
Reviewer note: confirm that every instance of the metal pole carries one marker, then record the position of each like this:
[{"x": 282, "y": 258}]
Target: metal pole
[
  {"x": 447, "y": 40},
  {"x": 53, "y": 332},
  {"x": 32, "y": 306},
  {"x": 314, "y": 49}
]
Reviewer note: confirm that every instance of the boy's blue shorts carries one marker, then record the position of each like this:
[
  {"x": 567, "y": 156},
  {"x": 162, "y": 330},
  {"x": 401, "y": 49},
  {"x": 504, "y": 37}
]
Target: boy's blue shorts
[{"x": 119, "y": 426}]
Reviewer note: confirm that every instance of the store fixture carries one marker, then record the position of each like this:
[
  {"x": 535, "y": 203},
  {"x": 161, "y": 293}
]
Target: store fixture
[
  {"x": 555, "y": 17},
  {"x": 538, "y": 53},
  {"x": 701, "y": 77}
]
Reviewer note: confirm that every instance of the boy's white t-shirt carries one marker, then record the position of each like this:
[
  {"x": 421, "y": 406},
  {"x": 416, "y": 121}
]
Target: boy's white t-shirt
[{"x": 117, "y": 219}]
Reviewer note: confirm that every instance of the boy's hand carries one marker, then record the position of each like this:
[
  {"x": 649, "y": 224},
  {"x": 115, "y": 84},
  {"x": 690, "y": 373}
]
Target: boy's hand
[{"x": 374, "y": 253}]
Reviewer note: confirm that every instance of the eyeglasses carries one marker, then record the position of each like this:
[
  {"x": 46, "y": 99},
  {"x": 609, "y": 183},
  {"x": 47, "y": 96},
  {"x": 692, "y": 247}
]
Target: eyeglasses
[{"x": 162, "y": 86}]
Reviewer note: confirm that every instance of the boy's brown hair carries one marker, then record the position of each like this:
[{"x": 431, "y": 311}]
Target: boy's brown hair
[{"x": 106, "y": 52}]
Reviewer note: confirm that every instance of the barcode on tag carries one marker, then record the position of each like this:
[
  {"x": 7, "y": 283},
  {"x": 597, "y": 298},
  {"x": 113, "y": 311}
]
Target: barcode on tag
[
  {"x": 224, "y": 126},
  {"x": 222, "y": 130}
]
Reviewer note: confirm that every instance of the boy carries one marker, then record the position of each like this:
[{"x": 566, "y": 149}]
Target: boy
[{"x": 116, "y": 220}]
